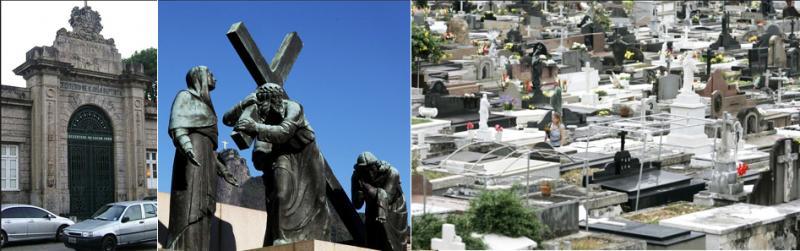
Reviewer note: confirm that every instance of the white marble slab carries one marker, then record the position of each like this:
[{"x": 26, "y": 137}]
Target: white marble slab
[{"x": 723, "y": 220}]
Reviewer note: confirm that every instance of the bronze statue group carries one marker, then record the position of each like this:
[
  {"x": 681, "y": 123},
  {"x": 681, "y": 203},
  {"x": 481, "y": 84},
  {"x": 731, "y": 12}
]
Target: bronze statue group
[{"x": 285, "y": 150}]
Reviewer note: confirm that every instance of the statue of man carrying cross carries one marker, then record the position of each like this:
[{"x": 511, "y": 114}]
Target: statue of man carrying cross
[{"x": 301, "y": 191}]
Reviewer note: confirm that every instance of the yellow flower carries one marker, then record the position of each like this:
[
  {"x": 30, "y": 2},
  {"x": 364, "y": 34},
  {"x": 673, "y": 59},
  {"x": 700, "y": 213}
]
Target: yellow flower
[{"x": 629, "y": 55}]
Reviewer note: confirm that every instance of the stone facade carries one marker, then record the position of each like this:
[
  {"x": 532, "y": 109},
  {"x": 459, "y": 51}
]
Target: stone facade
[{"x": 80, "y": 69}]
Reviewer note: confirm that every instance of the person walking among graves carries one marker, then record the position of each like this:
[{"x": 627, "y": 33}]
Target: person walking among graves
[{"x": 557, "y": 133}]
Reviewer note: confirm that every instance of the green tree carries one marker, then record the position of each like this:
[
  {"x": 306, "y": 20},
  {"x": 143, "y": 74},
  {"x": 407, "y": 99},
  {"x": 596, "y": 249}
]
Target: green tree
[
  {"x": 149, "y": 60},
  {"x": 426, "y": 46},
  {"x": 502, "y": 212}
]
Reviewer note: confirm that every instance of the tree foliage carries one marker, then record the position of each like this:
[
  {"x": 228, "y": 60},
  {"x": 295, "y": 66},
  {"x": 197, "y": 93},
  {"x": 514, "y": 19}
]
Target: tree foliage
[
  {"x": 149, "y": 60},
  {"x": 426, "y": 46}
]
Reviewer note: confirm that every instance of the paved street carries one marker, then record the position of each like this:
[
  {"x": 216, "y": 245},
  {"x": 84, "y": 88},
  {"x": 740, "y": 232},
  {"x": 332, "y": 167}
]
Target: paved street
[{"x": 58, "y": 246}]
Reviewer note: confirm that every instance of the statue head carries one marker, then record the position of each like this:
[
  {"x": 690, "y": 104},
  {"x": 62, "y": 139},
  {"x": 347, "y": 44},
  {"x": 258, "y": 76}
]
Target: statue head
[
  {"x": 270, "y": 98},
  {"x": 200, "y": 82},
  {"x": 368, "y": 164}
]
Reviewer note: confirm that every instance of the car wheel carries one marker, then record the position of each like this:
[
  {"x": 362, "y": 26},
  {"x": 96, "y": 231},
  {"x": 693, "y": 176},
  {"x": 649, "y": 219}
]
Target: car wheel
[
  {"x": 3, "y": 238},
  {"x": 60, "y": 233},
  {"x": 109, "y": 243}
]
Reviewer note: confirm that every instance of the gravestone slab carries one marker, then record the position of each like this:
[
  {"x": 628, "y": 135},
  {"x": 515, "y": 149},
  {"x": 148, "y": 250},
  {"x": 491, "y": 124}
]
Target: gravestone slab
[
  {"x": 717, "y": 83},
  {"x": 657, "y": 237},
  {"x": 667, "y": 87},
  {"x": 782, "y": 182}
]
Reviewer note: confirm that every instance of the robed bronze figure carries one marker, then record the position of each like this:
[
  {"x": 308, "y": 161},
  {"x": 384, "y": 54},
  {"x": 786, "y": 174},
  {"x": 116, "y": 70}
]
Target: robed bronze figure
[
  {"x": 193, "y": 129},
  {"x": 286, "y": 151},
  {"x": 377, "y": 184}
]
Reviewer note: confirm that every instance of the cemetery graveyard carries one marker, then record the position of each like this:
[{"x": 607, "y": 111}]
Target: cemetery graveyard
[{"x": 616, "y": 125}]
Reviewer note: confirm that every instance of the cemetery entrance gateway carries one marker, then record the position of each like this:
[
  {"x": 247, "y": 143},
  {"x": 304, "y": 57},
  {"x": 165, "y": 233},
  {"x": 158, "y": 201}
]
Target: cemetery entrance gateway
[{"x": 90, "y": 155}]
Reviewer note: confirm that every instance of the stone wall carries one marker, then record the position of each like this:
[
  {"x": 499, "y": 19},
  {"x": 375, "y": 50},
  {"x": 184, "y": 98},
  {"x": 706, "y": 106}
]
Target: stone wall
[{"x": 15, "y": 109}]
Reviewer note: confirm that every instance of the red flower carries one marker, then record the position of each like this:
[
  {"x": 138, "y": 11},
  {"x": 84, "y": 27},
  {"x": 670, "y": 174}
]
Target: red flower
[
  {"x": 742, "y": 169},
  {"x": 498, "y": 128},
  {"x": 528, "y": 86},
  {"x": 470, "y": 126}
]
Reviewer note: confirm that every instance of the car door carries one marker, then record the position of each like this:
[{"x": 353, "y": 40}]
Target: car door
[
  {"x": 150, "y": 222},
  {"x": 14, "y": 223},
  {"x": 40, "y": 224},
  {"x": 131, "y": 230}
]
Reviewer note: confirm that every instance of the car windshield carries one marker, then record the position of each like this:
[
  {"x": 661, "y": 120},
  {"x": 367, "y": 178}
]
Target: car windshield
[{"x": 109, "y": 212}]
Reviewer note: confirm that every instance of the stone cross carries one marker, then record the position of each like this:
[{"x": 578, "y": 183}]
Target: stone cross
[
  {"x": 788, "y": 158},
  {"x": 449, "y": 240},
  {"x": 224, "y": 145},
  {"x": 261, "y": 71}
]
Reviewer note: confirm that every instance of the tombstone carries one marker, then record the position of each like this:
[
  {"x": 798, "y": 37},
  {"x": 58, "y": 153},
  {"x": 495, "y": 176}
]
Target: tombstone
[
  {"x": 767, "y": 8},
  {"x": 781, "y": 183},
  {"x": 758, "y": 58},
  {"x": 763, "y": 40},
  {"x": 585, "y": 80},
  {"x": 716, "y": 82},
  {"x": 725, "y": 159},
  {"x": 513, "y": 92},
  {"x": 460, "y": 30},
  {"x": 657, "y": 187},
  {"x": 514, "y": 36},
  {"x": 725, "y": 40},
  {"x": 588, "y": 26},
  {"x": 777, "y": 53},
  {"x": 448, "y": 105},
  {"x": 667, "y": 87},
  {"x": 793, "y": 61},
  {"x": 449, "y": 240}
]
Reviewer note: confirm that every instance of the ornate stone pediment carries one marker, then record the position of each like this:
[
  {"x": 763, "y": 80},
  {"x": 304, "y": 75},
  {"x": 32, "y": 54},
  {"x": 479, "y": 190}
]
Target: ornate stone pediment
[{"x": 86, "y": 25}]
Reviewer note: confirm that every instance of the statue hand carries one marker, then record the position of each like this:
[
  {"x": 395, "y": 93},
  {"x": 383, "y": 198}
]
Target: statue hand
[
  {"x": 246, "y": 125},
  {"x": 381, "y": 219},
  {"x": 250, "y": 100},
  {"x": 231, "y": 180},
  {"x": 191, "y": 157}
]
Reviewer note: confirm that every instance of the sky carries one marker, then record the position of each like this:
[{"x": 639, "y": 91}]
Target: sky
[
  {"x": 351, "y": 76},
  {"x": 132, "y": 25}
]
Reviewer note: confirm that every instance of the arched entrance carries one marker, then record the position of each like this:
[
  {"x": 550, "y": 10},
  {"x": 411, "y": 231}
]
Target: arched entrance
[{"x": 90, "y": 154}]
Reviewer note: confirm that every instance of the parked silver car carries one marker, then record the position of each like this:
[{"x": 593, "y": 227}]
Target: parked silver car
[
  {"x": 26, "y": 222},
  {"x": 115, "y": 224}
]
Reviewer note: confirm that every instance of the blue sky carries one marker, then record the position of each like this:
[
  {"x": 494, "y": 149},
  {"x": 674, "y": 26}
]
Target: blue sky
[{"x": 351, "y": 77}]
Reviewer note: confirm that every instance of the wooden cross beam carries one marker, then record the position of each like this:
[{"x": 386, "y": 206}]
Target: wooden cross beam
[{"x": 275, "y": 72}]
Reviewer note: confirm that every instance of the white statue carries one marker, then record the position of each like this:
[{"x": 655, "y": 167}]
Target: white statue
[
  {"x": 689, "y": 66},
  {"x": 662, "y": 55},
  {"x": 483, "y": 123}
]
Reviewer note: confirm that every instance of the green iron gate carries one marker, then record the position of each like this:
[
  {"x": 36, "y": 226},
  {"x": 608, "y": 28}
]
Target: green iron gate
[{"x": 91, "y": 161}]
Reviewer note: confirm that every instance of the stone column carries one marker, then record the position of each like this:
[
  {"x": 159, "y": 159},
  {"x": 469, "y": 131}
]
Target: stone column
[
  {"x": 42, "y": 77},
  {"x": 134, "y": 146}
]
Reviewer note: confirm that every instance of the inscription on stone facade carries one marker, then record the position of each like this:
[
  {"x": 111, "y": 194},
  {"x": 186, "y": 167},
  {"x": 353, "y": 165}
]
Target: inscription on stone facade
[{"x": 82, "y": 87}]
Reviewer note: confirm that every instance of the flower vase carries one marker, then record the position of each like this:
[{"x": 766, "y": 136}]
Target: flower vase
[
  {"x": 471, "y": 134},
  {"x": 498, "y": 136}
]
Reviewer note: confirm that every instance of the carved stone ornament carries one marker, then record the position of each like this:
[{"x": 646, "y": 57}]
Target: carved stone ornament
[{"x": 86, "y": 25}]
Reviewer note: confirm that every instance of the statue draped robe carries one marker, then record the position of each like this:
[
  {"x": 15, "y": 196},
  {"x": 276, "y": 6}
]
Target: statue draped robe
[
  {"x": 294, "y": 175},
  {"x": 193, "y": 195},
  {"x": 389, "y": 196}
]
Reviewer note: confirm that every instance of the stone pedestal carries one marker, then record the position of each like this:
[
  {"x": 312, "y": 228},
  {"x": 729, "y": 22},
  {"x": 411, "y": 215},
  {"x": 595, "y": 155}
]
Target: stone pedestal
[
  {"x": 692, "y": 139},
  {"x": 312, "y": 245}
]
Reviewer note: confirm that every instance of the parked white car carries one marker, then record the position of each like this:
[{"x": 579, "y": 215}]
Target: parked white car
[
  {"x": 26, "y": 222},
  {"x": 115, "y": 224}
]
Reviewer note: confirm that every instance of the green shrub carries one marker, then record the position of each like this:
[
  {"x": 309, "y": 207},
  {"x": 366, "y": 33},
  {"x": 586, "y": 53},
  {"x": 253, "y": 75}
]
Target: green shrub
[{"x": 502, "y": 212}]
